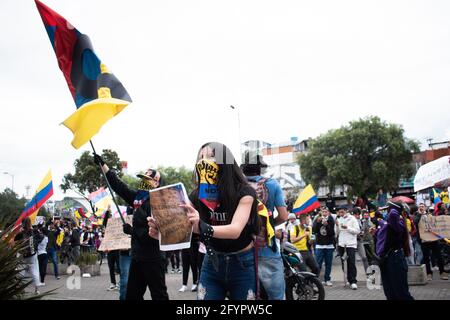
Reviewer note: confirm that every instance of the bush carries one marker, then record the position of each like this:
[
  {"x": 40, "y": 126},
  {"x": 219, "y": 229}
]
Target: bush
[{"x": 86, "y": 259}]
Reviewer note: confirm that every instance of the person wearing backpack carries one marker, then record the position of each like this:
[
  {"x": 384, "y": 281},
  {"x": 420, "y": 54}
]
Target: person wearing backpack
[
  {"x": 270, "y": 194},
  {"x": 31, "y": 239},
  {"x": 300, "y": 236}
]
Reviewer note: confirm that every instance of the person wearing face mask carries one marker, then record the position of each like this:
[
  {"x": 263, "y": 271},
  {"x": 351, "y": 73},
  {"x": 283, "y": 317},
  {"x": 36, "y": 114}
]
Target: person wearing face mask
[
  {"x": 147, "y": 262},
  {"x": 392, "y": 246},
  {"x": 224, "y": 213}
]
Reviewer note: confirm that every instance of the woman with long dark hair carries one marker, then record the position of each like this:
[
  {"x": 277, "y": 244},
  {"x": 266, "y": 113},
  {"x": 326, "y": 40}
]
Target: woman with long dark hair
[
  {"x": 224, "y": 213},
  {"x": 392, "y": 246}
]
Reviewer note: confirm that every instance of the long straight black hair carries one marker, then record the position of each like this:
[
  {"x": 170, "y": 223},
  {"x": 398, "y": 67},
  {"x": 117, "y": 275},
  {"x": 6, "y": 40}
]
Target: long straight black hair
[{"x": 230, "y": 177}]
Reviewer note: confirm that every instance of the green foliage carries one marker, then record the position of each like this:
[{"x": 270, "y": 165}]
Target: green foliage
[
  {"x": 86, "y": 259},
  {"x": 12, "y": 282},
  {"x": 10, "y": 207},
  {"x": 88, "y": 176},
  {"x": 173, "y": 175},
  {"x": 45, "y": 213},
  {"x": 365, "y": 155}
]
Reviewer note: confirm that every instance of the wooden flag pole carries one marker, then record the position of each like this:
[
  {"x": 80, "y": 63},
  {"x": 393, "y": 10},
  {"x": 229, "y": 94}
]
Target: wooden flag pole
[{"x": 109, "y": 186}]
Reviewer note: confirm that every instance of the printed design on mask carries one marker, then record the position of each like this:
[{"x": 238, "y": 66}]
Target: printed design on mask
[{"x": 208, "y": 190}]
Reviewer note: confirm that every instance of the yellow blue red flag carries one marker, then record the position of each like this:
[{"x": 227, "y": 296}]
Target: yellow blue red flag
[
  {"x": 306, "y": 202},
  {"x": 97, "y": 93},
  {"x": 43, "y": 193}
]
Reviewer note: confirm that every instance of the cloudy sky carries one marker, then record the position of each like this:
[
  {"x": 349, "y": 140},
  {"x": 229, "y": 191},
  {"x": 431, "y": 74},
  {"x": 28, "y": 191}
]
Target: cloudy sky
[{"x": 293, "y": 68}]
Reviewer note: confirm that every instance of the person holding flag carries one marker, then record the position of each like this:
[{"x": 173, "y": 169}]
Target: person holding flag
[{"x": 147, "y": 262}]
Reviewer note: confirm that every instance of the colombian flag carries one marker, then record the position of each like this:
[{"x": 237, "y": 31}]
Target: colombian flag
[
  {"x": 43, "y": 193},
  {"x": 306, "y": 202},
  {"x": 100, "y": 198},
  {"x": 97, "y": 93}
]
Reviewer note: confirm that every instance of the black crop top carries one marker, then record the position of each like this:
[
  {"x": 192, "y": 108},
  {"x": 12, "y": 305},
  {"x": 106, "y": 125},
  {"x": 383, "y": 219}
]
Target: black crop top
[{"x": 220, "y": 216}]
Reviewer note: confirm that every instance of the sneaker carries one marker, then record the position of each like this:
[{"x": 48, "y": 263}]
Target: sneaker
[
  {"x": 329, "y": 284},
  {"x": 58, "y": 278},
  {"x": 194, "y": 288},
  {"x": 117, "y": 287},
  {"x": 178, "y": 270},
  {"x": 183, "y": 289},
  {"x": 430, "y": 277},
  {"x": 172, "y": 271},
  {"x": 354, "y": 286},
  {"x": 444, "y": 276},
  {"x": 347, "y": 284},
  {"x": 36, "y": 292},
  {"x": 112, "y": 287}
]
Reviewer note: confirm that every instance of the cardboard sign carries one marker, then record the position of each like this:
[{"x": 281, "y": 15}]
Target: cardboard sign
[
  {"x": 114, "y": 238},
  {"x": 174, "y": 226},
  {"x": 439, "y": 225}
]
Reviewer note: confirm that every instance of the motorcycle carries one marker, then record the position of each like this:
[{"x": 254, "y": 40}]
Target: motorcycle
[{"x": 299, "y": 285}]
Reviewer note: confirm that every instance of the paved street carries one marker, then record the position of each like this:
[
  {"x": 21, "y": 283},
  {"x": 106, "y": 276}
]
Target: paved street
[{"x": 95, "y": 288}]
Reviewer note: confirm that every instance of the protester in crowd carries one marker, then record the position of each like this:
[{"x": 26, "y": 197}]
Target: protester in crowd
[
  {"x": 299, "y": 236},
  {"x": 31, "y": 238},
  {"x": 347, "y": 230},
  {"x": 360, "y": 246},
  {"x": 52, "y": 247},
  {"x": 75, "y": 242},
  {"x": 124, "y": 265},
  {"x": 112, "y": 257},
  {"x": 270, "y": 194},
  {"x": 367, "y": 228},
  {"x": 147, "y": 265},
  {"x": 175, "y": 261},
  {"x": 66, "y": 247},
  {"x": 430, "y": 248},
  {"x": 323, "y": 228},
  {"x": 189, "y": 259},
  {"x": 418, "y": 255},
  {"x": 392, "y": 246},
  {"x": 42, "y": 254},
  {"x": 224, "y": 214}
]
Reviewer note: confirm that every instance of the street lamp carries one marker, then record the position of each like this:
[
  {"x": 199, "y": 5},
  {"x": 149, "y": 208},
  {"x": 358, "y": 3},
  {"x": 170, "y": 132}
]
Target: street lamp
[
  {"x": 12, "y": 176},
  {"x": 239, "y": 128}
]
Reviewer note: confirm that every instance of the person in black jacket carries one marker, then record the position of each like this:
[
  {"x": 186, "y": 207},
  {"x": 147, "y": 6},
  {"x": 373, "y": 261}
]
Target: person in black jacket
[
  {"x": 147, "y": 264},
  {"x": 323, "y": 228}
]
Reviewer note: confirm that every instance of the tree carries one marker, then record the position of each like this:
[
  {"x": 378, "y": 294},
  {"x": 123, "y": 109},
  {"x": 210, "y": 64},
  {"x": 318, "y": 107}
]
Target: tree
[
  {"x": 365, "y": 155},
  {"x": 173, "y": 175},
  {"x": 88, "y": 177},
  {"x": 11, "y": 207}
]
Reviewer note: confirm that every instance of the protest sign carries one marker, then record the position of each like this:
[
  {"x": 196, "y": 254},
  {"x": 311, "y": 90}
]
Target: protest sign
[
  {"x": 431, "y": 227},
  {"x": 174, "y": 226},
  {"x": 114, "y": 238}
]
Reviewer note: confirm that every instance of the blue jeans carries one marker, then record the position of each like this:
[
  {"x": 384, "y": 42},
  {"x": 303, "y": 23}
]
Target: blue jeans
[
  {"x": 418, "y": 255},
  {"x": 271, "y": 273},
  {"x": 52, "y": 256},
  {"x": 124, "y": 262},
  {"x": 327, "y": 255},
  {"x": 235, "y": 275}
]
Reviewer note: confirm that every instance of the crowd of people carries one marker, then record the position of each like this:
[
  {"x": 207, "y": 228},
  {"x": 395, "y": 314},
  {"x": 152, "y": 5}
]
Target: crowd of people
[{"x": 240, "y": 220}]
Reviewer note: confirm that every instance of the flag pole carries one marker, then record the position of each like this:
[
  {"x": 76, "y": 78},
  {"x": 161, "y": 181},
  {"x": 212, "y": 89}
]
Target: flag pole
[{"x": 109, "y": 186}]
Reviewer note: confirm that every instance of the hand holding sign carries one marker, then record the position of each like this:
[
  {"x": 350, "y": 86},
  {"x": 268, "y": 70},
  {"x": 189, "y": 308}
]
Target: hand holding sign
[{"x": 193, "y": 215}]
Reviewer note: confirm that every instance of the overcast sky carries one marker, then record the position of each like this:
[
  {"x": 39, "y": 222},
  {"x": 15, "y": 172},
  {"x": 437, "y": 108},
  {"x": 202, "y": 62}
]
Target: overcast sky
[{"x": 293, "y": 68}]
